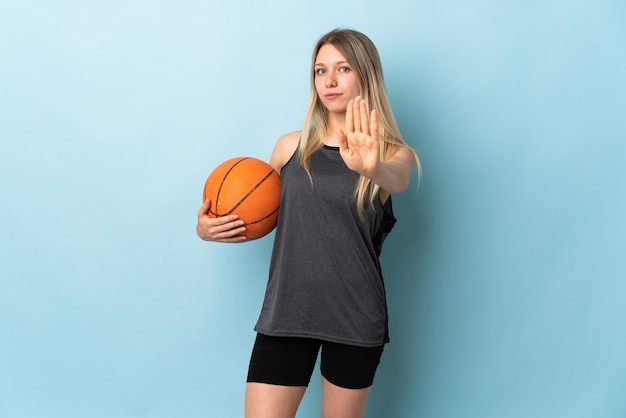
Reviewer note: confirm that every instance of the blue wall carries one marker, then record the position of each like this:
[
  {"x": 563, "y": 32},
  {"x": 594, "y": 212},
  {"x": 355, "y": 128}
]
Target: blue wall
[{"x": 505, "y": 273}]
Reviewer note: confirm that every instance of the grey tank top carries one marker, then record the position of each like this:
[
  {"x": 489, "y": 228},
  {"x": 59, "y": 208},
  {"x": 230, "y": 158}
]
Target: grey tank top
[{"x": 325, "y": 279}]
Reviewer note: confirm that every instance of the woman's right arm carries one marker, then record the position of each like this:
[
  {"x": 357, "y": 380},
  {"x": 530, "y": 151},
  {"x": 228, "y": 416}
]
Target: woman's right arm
[
  {"x": 223, "y": 229},
  {"x": 230, "y": 228}
]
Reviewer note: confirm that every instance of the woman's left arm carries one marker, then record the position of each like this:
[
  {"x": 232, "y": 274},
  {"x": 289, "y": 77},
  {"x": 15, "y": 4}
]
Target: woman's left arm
[
  {"x": 394, "y": 175},
  {"x": 360, "y": 149}
]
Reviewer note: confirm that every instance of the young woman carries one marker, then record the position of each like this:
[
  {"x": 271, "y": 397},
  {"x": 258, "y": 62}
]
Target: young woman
[{"x": 325, "y": 288}]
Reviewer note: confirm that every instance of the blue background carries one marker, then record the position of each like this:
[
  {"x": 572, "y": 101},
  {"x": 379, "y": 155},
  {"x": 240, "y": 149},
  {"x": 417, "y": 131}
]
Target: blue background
[{"x": 505, "y": 273}]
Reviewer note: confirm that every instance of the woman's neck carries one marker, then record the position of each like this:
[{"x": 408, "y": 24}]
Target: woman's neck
[{"x": 335, "y": 121}]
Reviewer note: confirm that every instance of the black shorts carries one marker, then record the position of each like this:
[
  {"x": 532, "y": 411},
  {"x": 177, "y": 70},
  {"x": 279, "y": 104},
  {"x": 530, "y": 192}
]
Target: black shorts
[{"x": 289, "y": 361}]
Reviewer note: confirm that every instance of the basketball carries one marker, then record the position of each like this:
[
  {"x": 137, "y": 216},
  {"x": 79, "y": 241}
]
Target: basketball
[{"x": 247, "y": 187}]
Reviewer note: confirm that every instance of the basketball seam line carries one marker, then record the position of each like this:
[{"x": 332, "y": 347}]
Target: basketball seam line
[
  {"x": 263, "y": 218},
  {"x": 244, "y": 197},
  {"x": 219, "y": 190},
  {"x": 250, "y": 192}
]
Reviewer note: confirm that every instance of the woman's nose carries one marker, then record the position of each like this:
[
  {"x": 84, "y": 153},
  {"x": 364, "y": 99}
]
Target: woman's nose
[{"x": 331, "y": 81}]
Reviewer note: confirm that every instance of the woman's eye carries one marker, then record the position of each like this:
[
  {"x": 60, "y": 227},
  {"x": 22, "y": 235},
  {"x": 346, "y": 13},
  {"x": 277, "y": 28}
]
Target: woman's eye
[
  {"x": 344, "y": 69},
  {"x": 320, "y": 71}
]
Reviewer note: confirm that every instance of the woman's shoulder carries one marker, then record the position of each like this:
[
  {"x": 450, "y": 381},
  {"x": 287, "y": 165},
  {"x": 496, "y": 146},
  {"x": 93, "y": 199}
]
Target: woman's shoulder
[
  {"x": 290, "y": 139},
  {"x": 284, "y": 149}
]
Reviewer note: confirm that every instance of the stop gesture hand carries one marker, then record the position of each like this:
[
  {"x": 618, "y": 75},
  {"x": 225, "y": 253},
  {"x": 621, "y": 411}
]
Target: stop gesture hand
[{"x": 358, "y": 145}]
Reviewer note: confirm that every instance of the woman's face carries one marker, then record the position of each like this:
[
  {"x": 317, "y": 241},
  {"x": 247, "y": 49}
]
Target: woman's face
[{"x": 335, "y": 82}]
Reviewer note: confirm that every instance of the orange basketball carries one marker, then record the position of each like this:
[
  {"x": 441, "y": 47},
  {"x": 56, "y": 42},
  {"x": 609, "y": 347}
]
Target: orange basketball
[{"x": 247, "y": 187}]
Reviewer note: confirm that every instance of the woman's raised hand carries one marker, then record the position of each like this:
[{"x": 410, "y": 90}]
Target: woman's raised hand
[
  {"x": 223, "y": 229},
  {"x": 358, "y": 145}
]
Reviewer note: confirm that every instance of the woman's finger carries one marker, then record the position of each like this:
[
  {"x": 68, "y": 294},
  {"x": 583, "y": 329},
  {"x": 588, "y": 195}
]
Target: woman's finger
[
  {"x": 349, "y": 119},
  {"x": 356, "y": 110},
  {"x": 374, "y": 125},
  {"x": 363, "y": 118}
]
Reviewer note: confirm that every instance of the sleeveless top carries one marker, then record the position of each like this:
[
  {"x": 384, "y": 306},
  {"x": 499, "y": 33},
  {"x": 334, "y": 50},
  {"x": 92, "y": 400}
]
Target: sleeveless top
[{"x": 325, "y": 279}]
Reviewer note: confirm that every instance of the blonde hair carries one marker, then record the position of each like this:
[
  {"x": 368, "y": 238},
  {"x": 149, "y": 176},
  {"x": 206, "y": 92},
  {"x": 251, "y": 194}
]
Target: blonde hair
[{"x": 364, "y": 60}]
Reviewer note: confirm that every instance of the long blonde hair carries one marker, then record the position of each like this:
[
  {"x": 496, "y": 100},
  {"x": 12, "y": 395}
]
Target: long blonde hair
[{"x": 364, "y": 60}]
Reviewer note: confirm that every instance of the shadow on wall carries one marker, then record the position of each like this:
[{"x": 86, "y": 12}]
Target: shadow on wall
[{"x": 404, "y": 258}]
